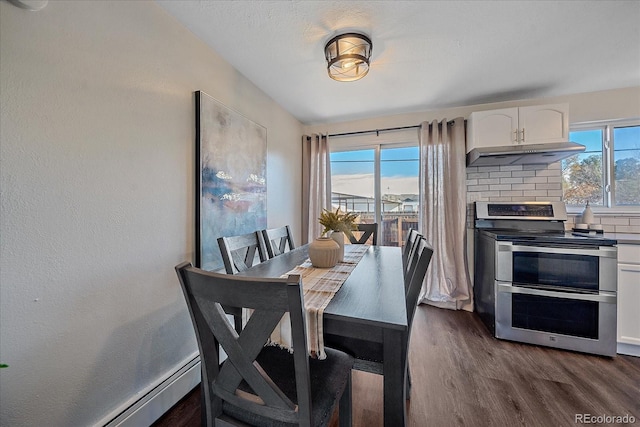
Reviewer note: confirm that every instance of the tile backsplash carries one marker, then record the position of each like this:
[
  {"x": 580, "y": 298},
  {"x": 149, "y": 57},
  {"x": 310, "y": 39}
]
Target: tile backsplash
[{"x": 532, "y": 183}]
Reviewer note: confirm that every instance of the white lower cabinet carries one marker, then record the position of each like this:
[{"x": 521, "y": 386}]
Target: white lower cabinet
[{"x": 629, "y": 299}]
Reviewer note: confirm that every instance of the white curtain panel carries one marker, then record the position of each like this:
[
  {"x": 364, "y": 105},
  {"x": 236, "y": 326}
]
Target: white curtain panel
[
  {"x": 316, "y": 184},
  {"x": 443, "y": 213}
]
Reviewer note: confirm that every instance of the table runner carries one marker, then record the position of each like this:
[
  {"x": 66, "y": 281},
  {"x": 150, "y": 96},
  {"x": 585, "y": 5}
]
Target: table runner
[{"x": 319, "y": 286}]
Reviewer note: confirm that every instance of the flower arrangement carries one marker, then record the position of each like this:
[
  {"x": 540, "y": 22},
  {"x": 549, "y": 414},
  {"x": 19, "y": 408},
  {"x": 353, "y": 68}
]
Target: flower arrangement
[{"x": 336, "y": 221}]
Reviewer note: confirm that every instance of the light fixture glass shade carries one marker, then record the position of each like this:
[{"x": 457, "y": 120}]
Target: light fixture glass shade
[{"x": 348, "y": 56}]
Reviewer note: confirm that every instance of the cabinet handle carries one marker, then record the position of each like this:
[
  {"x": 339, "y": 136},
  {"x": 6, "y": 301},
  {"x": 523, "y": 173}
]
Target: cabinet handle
[
  {"x": 515, "y": 136},
  {"x": 522, "y": 135}
]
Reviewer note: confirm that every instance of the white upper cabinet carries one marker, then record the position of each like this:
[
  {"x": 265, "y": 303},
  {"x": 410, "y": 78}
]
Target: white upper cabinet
[
  {"x": 537, "y": 124},
  {"x": 544, "y": 123},
  {"x": 494, "y": 128}
]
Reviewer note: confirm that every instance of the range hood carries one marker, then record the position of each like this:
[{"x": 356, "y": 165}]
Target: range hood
[{"x": 534, "y": 154}]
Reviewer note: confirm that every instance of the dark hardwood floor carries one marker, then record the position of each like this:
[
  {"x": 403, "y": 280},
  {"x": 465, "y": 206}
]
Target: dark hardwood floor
[{"x": 462, "y": 376}]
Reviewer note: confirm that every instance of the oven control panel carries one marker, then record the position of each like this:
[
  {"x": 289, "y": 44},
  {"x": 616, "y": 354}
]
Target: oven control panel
[{"x": 547, "y": 211}]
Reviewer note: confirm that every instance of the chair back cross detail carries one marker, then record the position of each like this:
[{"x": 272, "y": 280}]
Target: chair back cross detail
[
  {"x": 278, "y": 240},
  {"x": 239, "y": 252},
  {"x": 368, "y": 230}
]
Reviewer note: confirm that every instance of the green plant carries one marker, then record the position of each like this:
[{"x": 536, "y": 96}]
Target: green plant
[{"x": 336, "y": 221}]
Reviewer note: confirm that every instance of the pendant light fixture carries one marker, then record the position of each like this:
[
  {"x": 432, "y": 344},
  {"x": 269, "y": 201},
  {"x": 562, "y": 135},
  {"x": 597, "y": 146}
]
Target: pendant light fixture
[{"x": 348, "y": 56}]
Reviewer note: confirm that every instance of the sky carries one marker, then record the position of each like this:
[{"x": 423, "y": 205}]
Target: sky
[
  {"x": 626, "y": 141},
  {"x": 395, "y": 162},
  {"x": 352, "y": 172}
]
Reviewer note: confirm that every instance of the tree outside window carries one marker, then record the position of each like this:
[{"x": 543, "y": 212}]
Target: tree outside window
[{"x": 607, "y": 173}]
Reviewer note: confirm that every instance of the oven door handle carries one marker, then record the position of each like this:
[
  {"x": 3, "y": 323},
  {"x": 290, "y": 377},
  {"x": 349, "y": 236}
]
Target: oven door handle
[
  {"x": 601, "y": 251},
  {"x": 606, "y": 297}
]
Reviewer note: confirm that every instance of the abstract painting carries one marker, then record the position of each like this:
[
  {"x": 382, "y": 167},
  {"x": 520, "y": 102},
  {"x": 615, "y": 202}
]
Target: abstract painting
[{"x": 231, "y": 187}]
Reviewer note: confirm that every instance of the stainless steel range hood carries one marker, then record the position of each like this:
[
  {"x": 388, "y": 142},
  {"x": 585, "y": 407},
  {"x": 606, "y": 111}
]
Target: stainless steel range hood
[{"x": 533, "y": 154}]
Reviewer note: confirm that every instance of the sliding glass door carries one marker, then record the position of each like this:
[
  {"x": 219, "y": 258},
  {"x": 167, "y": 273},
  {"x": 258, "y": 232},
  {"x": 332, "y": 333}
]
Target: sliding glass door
[
  {"x": 381, "y": 184},
  {"x": 399, "y": 170}
]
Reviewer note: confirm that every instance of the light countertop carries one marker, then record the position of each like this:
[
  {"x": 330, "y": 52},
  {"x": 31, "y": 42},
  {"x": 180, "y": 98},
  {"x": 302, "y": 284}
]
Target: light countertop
[{"x": 624, "y": 238}]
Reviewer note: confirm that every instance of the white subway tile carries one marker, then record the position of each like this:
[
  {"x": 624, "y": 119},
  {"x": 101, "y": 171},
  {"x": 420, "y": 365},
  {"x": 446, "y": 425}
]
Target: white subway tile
[
  {"x": 523, "y": 173},
  {"x": 614, "y": 220},
  {"x": 511, "y": 168},
  {"x": 552, "y": 186},
  {"x": 478, "y": 175},
  {"x": 531, "y": 167},
  {"x": 534, "y": 167},
  {"x": 627, "y": 228},
  {"x": 511, "y": 193},
  {"x": 535, "y": 179},
  {"x": 477, "y": 188},
  {"x": 500, "y": 187},
  {"x": 523, "y": 186},
  {"x": 535, "y": 193},
  {"x": 510, "y": 180},
  {"x": 547, "y": 172},
  {"x": 488, "y": 168},
  {"x": 489, "y": 181},
  {"x": 500, "y": 174}
]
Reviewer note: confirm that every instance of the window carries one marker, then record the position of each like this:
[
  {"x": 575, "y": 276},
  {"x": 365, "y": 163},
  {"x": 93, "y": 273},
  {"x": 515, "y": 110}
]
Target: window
[
  {"x": 381, "y": 184},
  {"x": 607, "y": 173}
]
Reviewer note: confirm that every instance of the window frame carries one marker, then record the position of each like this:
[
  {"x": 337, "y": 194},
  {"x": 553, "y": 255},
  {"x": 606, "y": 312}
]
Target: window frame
[
  {"x": 608, "y": 163},
  {"x": 377, "y": 179}
]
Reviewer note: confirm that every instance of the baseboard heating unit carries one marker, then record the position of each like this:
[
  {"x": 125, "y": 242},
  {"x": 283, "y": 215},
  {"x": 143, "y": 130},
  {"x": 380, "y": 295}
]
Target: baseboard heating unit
[{"x": 145, "y": 410}]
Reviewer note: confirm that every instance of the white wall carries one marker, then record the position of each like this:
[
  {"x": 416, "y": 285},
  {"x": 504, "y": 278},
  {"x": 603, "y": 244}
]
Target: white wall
[
  {"x": 584, "y": 107},
  {"x": 97, "y": 200}
]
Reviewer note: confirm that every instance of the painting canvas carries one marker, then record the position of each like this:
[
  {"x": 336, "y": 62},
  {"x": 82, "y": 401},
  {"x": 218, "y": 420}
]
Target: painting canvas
[{"x": 231, "y": 197}]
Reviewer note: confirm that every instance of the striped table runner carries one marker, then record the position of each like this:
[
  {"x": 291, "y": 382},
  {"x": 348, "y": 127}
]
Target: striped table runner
[{"x": 320, "y": 285}]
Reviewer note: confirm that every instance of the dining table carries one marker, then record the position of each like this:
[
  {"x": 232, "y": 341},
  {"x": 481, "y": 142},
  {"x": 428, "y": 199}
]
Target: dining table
[{"x": 370, "y": 305}]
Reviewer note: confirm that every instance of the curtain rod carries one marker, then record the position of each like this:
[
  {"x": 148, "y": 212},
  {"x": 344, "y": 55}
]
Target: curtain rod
[{"x": 377, "y": 131}]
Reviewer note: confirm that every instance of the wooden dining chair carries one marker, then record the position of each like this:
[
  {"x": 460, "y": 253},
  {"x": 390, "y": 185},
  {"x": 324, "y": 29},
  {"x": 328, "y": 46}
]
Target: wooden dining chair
[
  {"x": 412, "y": 258},
  {"x": 278, "y": 241},
  {"x": 368, "y": 230},
  {"x": 258, "y": 384},
  {"x": 409, "y": 246},
  {"x": 369, "y": 355},
  {"x": 240, "y": 253},
  {"x": 414, "y": 280}
]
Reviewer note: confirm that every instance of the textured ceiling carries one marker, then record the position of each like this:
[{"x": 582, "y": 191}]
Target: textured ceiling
[{"x": 426, "y": 54}]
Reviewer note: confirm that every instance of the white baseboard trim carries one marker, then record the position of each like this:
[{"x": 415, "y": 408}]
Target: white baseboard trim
[
  {"x": 629, "y": 349},
  {"x": 150, "y": 407}
]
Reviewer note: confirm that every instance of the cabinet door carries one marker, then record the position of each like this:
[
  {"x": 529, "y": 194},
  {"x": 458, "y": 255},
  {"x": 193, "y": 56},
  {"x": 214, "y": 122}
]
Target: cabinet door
[
  {"x": 494, "y": 128},
  {"x": 544, "y": 123},
  {"x": 629, "y": 304}
]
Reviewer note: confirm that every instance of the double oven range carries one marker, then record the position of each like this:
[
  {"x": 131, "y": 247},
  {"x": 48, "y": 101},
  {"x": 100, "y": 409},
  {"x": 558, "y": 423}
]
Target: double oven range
[{"x": 536, "y": 283}]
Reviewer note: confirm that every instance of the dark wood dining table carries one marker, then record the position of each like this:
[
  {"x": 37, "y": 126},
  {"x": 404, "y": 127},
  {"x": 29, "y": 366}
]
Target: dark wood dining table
[{"x": 370, "y": 305}]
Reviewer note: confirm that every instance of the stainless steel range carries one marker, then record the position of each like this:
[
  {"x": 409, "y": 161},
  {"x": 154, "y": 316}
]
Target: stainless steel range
[{"x": 538, "y": 284}]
